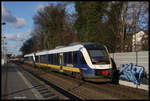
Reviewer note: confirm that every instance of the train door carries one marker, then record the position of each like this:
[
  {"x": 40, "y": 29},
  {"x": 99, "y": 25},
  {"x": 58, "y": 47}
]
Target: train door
[{"x": 61, "y": 62}]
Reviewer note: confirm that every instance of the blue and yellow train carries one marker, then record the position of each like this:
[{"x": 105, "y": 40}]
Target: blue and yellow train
[{"x": 84, "y": 60}]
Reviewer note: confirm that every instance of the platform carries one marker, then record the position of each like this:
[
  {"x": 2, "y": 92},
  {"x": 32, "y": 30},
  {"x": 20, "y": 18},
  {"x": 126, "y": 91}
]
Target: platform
[{"x": 15, "y": 86}]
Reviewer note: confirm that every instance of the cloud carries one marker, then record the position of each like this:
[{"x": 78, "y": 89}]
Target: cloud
[
  {"x": 40, "y": 7},
  {"x": 19, "y": 23},
  {"x": 12, "y": 20},
  {"x": 21, "y": 36},
  {"x": 10, "y": 37},
  {"x": 11, "y": 46},
  {"x": 29, "y": 31}
]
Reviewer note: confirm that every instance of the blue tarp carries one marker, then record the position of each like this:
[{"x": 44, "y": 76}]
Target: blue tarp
[{"x": 131, "y": 72}]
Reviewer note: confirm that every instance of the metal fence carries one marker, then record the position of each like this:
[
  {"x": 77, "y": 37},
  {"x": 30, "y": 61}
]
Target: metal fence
[{"x": 140, "y": 58}]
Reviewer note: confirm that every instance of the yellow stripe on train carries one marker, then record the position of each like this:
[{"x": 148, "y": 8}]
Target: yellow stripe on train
[
  {"x": 48, "y": 65},
  {"x": 73, "y": 69},
  {"x": 53, "y": 66},
  {"x": 28, "y": 62}
]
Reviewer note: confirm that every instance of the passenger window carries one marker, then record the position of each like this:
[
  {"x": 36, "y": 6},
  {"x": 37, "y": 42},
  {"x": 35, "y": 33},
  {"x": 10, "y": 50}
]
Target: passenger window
[
  {"x": 70, "y": 57},
  {"x": 30, "y": 58},
  {"x": 49, "y": 61},
  {"x": 75, "y": 58},
  {"x": 57, "y": 59},
  {"x": 65, "y": 58},
  {"x": 54, "y": 59},
  {"x": 42, "y": 59},
  {"x": 51, "y": 58},
  {"x": 82, "y": 60}
]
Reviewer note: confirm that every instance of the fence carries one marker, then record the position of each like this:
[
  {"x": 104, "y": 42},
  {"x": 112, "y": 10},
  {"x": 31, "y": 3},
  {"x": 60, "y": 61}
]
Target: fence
[{"x": 140, "y": 58}]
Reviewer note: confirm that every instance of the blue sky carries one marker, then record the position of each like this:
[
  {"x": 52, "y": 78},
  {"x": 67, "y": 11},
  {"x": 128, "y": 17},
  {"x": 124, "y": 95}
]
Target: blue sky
[{"x": 19, "y": 23}]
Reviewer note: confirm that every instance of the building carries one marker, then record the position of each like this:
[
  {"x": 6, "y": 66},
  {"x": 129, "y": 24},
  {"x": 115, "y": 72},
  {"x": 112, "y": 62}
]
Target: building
[{"x": 139, "y": 41}]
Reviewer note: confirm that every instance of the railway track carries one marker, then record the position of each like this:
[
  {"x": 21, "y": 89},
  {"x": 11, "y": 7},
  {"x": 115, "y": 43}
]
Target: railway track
[{"x": 78, "y": 89}]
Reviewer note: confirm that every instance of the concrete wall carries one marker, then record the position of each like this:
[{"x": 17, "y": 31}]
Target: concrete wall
[{"x": 141, "y": 58}]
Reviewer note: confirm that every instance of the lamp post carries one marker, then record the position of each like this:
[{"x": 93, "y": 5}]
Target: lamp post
[
  {"x": 3, "y": 23},
  {"x": 136, "y": 49},
  {"x": 3, "y": 53},
  {"x": 4, "y": 58}
]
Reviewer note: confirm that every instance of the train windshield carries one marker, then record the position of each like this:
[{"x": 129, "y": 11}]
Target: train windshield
[{"x": 98, "y": 54}]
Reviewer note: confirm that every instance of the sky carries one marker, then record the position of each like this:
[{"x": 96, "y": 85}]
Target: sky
[{"x": 19, "y": 23}]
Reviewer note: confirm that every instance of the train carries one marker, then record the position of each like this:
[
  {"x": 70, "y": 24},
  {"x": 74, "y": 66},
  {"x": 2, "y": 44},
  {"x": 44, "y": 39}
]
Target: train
[{"x": 87, "y": 61}]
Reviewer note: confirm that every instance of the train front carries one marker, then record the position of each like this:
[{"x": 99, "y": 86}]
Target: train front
[{"x": 98, "y": 61}]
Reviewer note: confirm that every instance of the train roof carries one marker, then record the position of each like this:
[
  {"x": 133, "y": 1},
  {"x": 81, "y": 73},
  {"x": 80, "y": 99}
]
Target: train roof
[
  {"x": 31, "y": 54},
  {"x": 72, "y": 47},
  {"x": 63, "y": 49}
]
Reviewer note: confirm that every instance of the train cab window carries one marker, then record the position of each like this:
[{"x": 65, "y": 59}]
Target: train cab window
[
  {"x": 75, "y": 58},
  {"x": 98, "y": 54},
  {"x": 82, "y": 60}
]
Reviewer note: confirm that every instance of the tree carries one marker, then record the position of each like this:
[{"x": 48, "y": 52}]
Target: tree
[
  {"x": 88, "y": 22},
  {"x": 54, "y": 28},
  {"x": 124, "y": 20},
  {"x": 80, "y": 23},
  {"x": 94, "y": 23},
  {"x": 113, "y": 25},
  {"x": 27, "y": 46}
]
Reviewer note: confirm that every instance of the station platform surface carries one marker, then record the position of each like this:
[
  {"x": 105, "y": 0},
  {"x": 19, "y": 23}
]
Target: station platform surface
[{"x": 14, "y": 85}]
